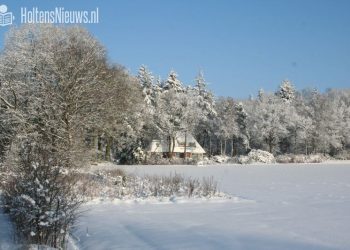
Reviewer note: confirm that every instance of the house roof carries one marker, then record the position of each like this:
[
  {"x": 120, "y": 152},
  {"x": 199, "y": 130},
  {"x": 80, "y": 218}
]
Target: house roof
[{"x": 162, "y": 146}]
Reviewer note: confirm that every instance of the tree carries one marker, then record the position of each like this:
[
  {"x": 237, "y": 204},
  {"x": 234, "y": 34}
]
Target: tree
[
  {"x": 227, "y": 128},
  {"x": 261, "y": 94},
  {"x": 50, "y": 78},
  {"x": 192, "y": 113},
  {"x": 168, "y": 116},
  {"x": 267, "y": 122},
  {"x": 286, "y": 91},
  {"x": 173, "y": 82},
  {"x": 242, "y": 122},
  {"x": 146, "y": 79},
  {"x": 204, "y": 130}
]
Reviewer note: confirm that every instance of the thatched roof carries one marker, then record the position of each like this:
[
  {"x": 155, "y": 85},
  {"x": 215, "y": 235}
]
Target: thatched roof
[{"x": 162, "y": 146}]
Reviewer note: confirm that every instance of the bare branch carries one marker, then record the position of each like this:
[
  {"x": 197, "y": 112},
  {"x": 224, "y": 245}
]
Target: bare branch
[{"x": 7, "y": 103}]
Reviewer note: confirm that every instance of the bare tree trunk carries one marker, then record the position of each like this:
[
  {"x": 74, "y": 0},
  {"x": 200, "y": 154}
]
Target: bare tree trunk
[
  {"x": 185, "y": 145},
  {"x": 95, "y": 144},
  {"x": 108, "y": 149},
  {"x": 225, "y": 142},
  {"x": 169, "y": 141},
  {"x": 232, "y": 144},
  {"x": 172, "y": 150},
  {"x": 295, "y": 142},
  {"x": 209, "y": 145},
  {"x": 99, "y": 143},
  {"x": 220, "y": 146},
  {"x": 306, "y": 149},
  {"x": 99, "y": 148}
]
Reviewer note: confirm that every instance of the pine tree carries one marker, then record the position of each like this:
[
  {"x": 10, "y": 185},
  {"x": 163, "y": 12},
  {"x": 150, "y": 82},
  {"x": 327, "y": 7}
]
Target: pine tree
[
  {"x": 173, "y": 82},
  {"x": 145, "y": 79},
  {"x": 201, "y": 84},
  {"x": 261, "y": 94},
  {"x": 242, "y": 124},
  {"x": 286, "y": 91}
]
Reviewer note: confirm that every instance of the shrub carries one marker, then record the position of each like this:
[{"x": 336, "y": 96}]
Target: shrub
[
  {"x": 39, "y": 196},
  {"x": 209, "y": 186},
  {"x": 159, "y": 160},
  {"x": 290, "y": 158},
  {"x": 343, "y": 155},
  {"x": 257, "y": 156},
  {"x": 105, "y": 185}
]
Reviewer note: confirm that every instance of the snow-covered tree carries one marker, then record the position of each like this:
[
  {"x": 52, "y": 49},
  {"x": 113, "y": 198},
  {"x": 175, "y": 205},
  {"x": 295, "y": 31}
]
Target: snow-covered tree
[
  {"x": 226, "y": 125},
  {"x": 204, "y": 131},
  {"x": 286, "y": 91},
  {"x": 122, "y": 115},
  {"x": 168, "y": 116},
  {"x": 146, "y": 79},
  {"x": 242, "y": 121},
  {"x": 50, "y": 77},
  {"x": 261, "y": 94},
  {"x": 200, "y": 83},
  {"x": 204, "y": 97},
  {"x": 173, "y": 82},
  {"x": 266, "y": 123}
]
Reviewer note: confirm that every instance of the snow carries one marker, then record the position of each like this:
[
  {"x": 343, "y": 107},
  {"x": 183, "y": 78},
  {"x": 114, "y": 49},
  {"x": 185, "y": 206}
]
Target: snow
[
  {"x": 278, "y": 207},
  {"x": 274, "y": 206},
  {"x": 257, "y": 156},
  {"x": 6, "y": 232},
  {"x": 27, "y": 198}
]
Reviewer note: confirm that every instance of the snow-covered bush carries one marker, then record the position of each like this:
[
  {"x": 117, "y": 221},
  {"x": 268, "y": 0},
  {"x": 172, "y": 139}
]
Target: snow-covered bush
[
  {"x": 243, "y": 159},
  {"x": 131, "y": 154},
  {"x": 209, "y": 186},
  {"x": 38, "y": 195},
  {"x": 316, "y": 158},
  {"x": 220, "y": 158},
  {"x": 159, "y": 160},
  {"x": 156, "y": 159},
  {"x": 344, "y": 155},
  {"x": 283, "y": 158},
  {"x": 290, "y": 158},
  {"x": 108, "y": 184},
  {"x": 257, "y": 156}
]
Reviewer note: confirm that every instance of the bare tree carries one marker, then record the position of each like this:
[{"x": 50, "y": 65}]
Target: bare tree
[{"x": 51, "y": 80}]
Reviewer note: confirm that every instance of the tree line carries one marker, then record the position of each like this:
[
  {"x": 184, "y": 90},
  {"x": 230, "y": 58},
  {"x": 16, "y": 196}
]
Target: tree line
[{"x": 286, "y": 121}]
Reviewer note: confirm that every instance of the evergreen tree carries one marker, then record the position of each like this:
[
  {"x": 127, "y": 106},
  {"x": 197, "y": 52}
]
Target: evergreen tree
[
  {"x": 261, "y": 95},
  {"x": 242, "y": 117},
  {"x": 146, "y": 79},
  {"x": 286, "y": 91},
  {"x": 173, "y": 82}
]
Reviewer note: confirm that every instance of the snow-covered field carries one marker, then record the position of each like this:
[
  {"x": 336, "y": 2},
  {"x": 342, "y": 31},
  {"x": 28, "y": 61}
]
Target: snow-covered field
[{"x": 279, "y": 207}]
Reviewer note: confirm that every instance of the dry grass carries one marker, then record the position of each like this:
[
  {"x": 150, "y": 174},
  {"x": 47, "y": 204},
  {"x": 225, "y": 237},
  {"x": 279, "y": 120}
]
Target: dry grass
[{"x": 117, "y": 184}]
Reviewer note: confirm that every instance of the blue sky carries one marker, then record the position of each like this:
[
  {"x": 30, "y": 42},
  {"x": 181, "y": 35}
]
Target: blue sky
[{"x": 241, "y": 46}]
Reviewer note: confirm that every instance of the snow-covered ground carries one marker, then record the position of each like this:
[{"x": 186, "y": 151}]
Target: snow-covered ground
[
  {"x": 280, "y": 207},
  {"x": 6, "y": 232}
]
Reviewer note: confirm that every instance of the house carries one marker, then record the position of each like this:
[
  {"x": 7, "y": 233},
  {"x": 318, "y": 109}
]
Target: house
[{"x": 193, "y": 149}]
